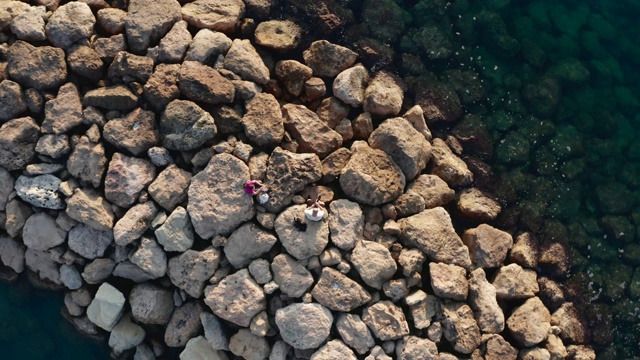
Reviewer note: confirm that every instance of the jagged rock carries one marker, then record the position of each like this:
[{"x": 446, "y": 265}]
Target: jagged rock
[
  {"x": 572, "y": 327},
  {"x": 249, "y": 346},
  {"x": 107, "y": 307},
  {"x": 190, "y": 270},
  {"x": 301, "y": 244},
  {"x": 474, "y": 204},
  {"x": 176, "y": 233},
  {"x": 460, "y": 328},
  {"x": 415, "y": 116},
  {"x": 498, "y": 348},
  {"x": 127, "y": 67},
  {"x": 151, "y": 304},
  {"x": 408, "y": 204},
  {"x": 6, "y": 187},
  {"x": 12, "y": 253},
  {"x": 137, "y": 132},
  {"x": 217, "y": 203},
  {"x": 85, "y": 61},
  {"x": 41, "y": 232},
  {"x": 9, "y": 10},
  {"x": 88, "y": 207},
  {"x": 410, "y": 260},
  {"x": 201, "y": 83},
  {"x": 116, "y": 97},
  {"x": 185, "y": 126},
  {"x": 184, "y": 324},
  {"x": 386, "y": 321},
  {"x": 525, "y": 251},
  {"x": 12, "y": 102},
  {"x": 198, "y": 348},
  {"x": 487, "y": 245},
  {"x": 354, "y": 332},
  {"x": 384, "y": 95},
  {"x": 448, "y": 166},
  {"x": 371, "y": 177},
  {"x": 350, "y": 84},
  {"x": 162, "y": 86},
  {"x": 221, "y": 16},
  {"x": 327, "y": 59},
  {"x": 449, "y": 281},
  {"x": 148, "y": 21},
  {"x": 262, "y": 121},
  {"x": 243, "y": 59},
  {"x": 29, "y": 25},
  {"x": 126, "y": 335},
  {"x": 41, "y": 263},
  {"x": 413, "y": 347},
  {"x": 18, "y": 138},
  {"x": 377, "y": 353},
  {"x": 69, "y": 24},
  {"x": 97, "y": 271},
  {"x": 150, "y": 258},
  {"x": 432, "y": 232},
  {"x": 312, "y": 134},
  {"x": 88, "y": 162},
  {"x": 126, "y": 178},
  {"x": 41, "y": 67},
  {"x": 483, "y": 301},
  {"x": 174, "y": 45},
  {"x": 108, "y": 48},
  {"x": 304, "y": 326},
  {"x": 334, "y": 349},
  {"x": 214, "y": 331},
  {"x": 40, "y": 191},
  {"x": 339, "y": 293},
  {"x": 279, "y": 35},
  {"x": 247, "y": 243},
  {"x": 293, "y": 75},
  {"x": 514, "y": 282},
  {"x": 346, "y": 223},
  {"x": 89, "y": 243},
  {"x": 373, "y": 262},
  {"x": 237, "y": 298},
  {"x": 433, "y": 190},
  {"x": 293, "y": 278},
  {"x": 529, "y": 323},
  {"x": 134, "y": 223}
]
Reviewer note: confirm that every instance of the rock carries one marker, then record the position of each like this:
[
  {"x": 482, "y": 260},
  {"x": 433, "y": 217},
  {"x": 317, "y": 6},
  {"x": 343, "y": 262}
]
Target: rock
[
  {"x": 116, "y": 97},
  {"x": 127, "y": 67},
  {"x": 9, "y": 10},
  {"x": 373, "y": 262},
  {"x": 190, "y": 270},
  {"x": 176, "y": 233},
  {"x": 29, "y": 25},
  {"x": 249, "y": 346},
  {"x": 529, "y": 323},
  {"x": 125, "y": 335},
  {"x": 386, "y": 321},
  {"x": 134, "y": 223},
  {"x": 433, "y": 190},
  {"x": 214, "y": 331},
  {"x": 571, "y": 324},
  {"x": 449, "y": 281},
  {"x": 137, "y": 132},
  {"x": 293, "y": 279},
  {"x": 415, "y": 116},
  {"x": 150, "y": 258},
  {"x": 581, "y": 352},
  {"x": 160, "y": 157},
  {"x": 525, "y": 251},
  {"x": 174, "y": 45},
  {"x": 293, "y": 75},
  {"x": 378, "y": 354},
  {"x": 460, "y": 329},
  {"x": 449, "y": 167},
  {"x": 413, "y": 347},
  {"x": 259, "y": 270},
  {"x": 162, "y": 86},
  {"x": 108, "y": 48},
  {"x": 247, "y": 243},
  {"x": 334, "y": 349},
  {"x": 89, "y": 243},
  {"x": 287, "y": 174},
  {"x": 498, "y": 348},
  {"x": 217, "y": 202},
  {"x": 487, "y": 245},
  {"x": 327, "y": 59},
  {"x": 279, "y": 35},
  {"x": 184, "y": 324},
  {"x": 151, "y": 304},
  {"x": 97, "y": 271},
  {"x": 12, "y": 102},
  {"x": 533, "y": 354},
  {"x": 85, "y": 61},
  {"x": 304, "y": 326},
  {"x": 301, "y": 243},
  {"x": 170, "y": 187},
  {"x": 339, "y": 293},
  {"x": 482, "y": 299},
  {"x": 148, "y": 21},
  {"x": 185, "y": 126},
  {"x": 42, "y": 233},
  {"x": 223, "y": 16},
  {"x": 371, "y": 177},
  {"x": 474, "y": 204},
  {"x": 88, "y": 162},
  {"x": 107, "y": 307},
  {"x": 432, "y": 232},
  {"x": 262, "y": 121},
  {"x": 41, "y": 263},
  {"x": 383, "y": 97},
  {"x": 243, "y": 59},
  {"x": 201, "y": 83},
  {"x": 198, "y": 348},
  {"x": 40, "y": 191},
  {"x": 332, "y": 111},
  {"x": 438, "y": 101},
  {"x": 349, "y": 86},
  {"x": 12, "y": 253},
  {"x": 128, "y": 270},
  {"x": 237, "y": 298},
  {"x": 311, "y": 133},
  {"x": 410, "y": 260},
  {"x": 354, "y": 332},
  {"x": 514, "y": 282},
  {"x": 69, "y": 24},
  {"x": 111, "y": 20},
  {"x": 54, "y": 146},
  {"x": 346, "y": 223},
  {"x": 88, "y": 207},
  {"x": 18, "y": 138},
  {"x": 408, "y": 204},
  {"x": 41, "y": 67},
  {"x": 126, "y": 178}
]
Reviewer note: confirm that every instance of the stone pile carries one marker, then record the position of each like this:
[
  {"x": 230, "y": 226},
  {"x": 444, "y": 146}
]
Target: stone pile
[{"x": 127, "y": 136}]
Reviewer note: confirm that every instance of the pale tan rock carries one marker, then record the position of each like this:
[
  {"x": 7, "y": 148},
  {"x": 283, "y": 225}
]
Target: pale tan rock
[
  {"x": 237, "y": 298},
  {"x": 304, "y": 326},
  {"x": 279, "y": 35},
  {"x": 373, "y": 262},
  {"x": 249, "y": 346},
  {"x": 474, "y": 204},
  {"x": 460, "y": 328},
  {"x": 530, "y": 322},
  {"x": 449, "y": 281},
  {"x": 487, "y": 245},
  {"x": 483, "y": 301},
  {"x": 386, "y": 321},
  {"x": 514, "y": 282},
  {"x": 221, "y": 16}
]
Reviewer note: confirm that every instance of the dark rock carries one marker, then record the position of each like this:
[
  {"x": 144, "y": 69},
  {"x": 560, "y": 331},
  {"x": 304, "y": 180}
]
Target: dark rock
[
  {"x": 18, "y": 138},
  {"x": 327, "y": 59},
  {"x": 41, "y": 67},
  {"x": 117, "y": 97}
]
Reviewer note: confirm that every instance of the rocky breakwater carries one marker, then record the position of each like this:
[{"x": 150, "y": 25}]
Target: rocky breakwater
[{"x": 127, "y": 139}]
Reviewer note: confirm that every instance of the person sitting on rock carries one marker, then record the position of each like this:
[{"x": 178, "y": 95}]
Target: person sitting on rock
[
  {"x": 255, "y": 187},
  {"x": 314, "y": 210}
]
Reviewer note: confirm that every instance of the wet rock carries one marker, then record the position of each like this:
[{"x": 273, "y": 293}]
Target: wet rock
[
  {"x": 312, "y": 134},
  {"x": 293, "y": 278},
  {"x": 243, "y": 59},
  {"x": 170, "y": 187},
  {"x": 327, "y": 59},
  {"x": 40, "y": 191},
  {"x": 184, "y": 324},
  {"x": 301, "y": 244},
  {"x": 460, "y": 328},
  {"x": 185, "y": 126},
  {"x": 176, "y": 233},
  {"x": 126, "y": 178},
  {"x": 190, "y": 270},
  {"x": 279, "y": 35},
  {"x": 247, "y": 243},
  {"x": 12, "y": 254},
  {"x": 249, "y": 346},
  {"x": 371, "y": 177},
  {"x": 432, "y": 232},
  {"x": 69, "y": 24},
  {"x": 529, "y": 323},
  {"x": 162, "y": 86},
  {"x": 148, "y": 21},
  {"x": 571, "y": 324},
  {"x": 438, "y": 101},
  {"x": 223, "y": 16},
  {"x": 346, "y": 223},
  {"x": 474, "y": 204},
  {"x": 482, "y": 299},
  {"x": 29, "y": 25},
  {"x": 89, "y": 243},
  {"x": 334, "y": 349},
  {"x": 151, "y": 304},
  {"x": 117, "y": 97},
  {"x": 614, "y": 198},
  {"x": 386, "y": 321},
  {"x": 413, "y": 347},
  {"x": 339, "y": 293},
  {"x": 12, "y": 102},
  {"x": 107, "y": 307},
  {"x": 134, "y": 223},
  {"x": 262, "y": 121},
  {"x": 287, "y": 174},
  {"x": 42, "y": 233},
  {"x": 542, "y": 96},
  {"x": 514, "y": 282},
  {"x": 304, "y": 326},
  {"x": 449, "y": 281},
  {"x": 41, "y": 67},
  {"x": 354, "y": 332},
  {"x": 201, "y": 83},
  {"x": 373, "y": 262},
  {"x": 237, "y": 298},
  {"x": 217, "y": 203},
  {"x": 383, "y": 97},
  {"x": 88, "y": 207},
  {"x": 293, "y": 75},
  {"x": 137, "y": 132},
  {"x": 487, "y": 245},
  {"x": 125, "y": 335},
  {"x": 18, "y": 138},
  {"x": 97, "y": 271}
]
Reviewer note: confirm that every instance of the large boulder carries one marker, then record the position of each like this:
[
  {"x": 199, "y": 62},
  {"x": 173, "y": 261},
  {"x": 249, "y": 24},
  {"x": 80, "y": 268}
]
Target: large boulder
[
  {"x": 64, "y": 112},
  {"x": 346, "y": 223},
  {"x": 530, "y": 322},
  {"x": 134, "y": 223},
  {"x": 41, "y": 232},
  {"x": 41, "y": 191},
  {"x": 248, "y": 242},
  {"x": 460, "y": 328},
  {"x": 487, "y": 245},
  {"x": 88, "y": 207},
  {"x": 89, "y": 243},
  {"x": 169, "y": 189},
  {"x": 339, "y": 293},
  {"x": 151, "y": 304},
  {"x": 292, "y": 277},
  {"x": 373, "y": 262},
  {"x": 262, "y": 121},
  {"x": 448, "y": 166},
  {"x": 483, "y": 301},
  {"x": 383, "y": 97},
  {"x": 176, "y": 233}
]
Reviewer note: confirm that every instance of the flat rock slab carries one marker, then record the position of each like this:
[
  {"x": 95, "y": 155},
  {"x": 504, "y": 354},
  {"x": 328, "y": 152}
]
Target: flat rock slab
[
  {"x": 339, "y": 293},
  {"x": 40, "y": 191},
  {"x": 88, "y": 207},
  {"x": 301, "y": 244},
  {"x": 117, "y": 97},
  {"x": 313, "y": 135},
  {"x": 282, "y": 35},
  {"x": 304, "y": 326},
  {"x": 237, "y": 298},
  {"x": 202, "y": 83}
]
